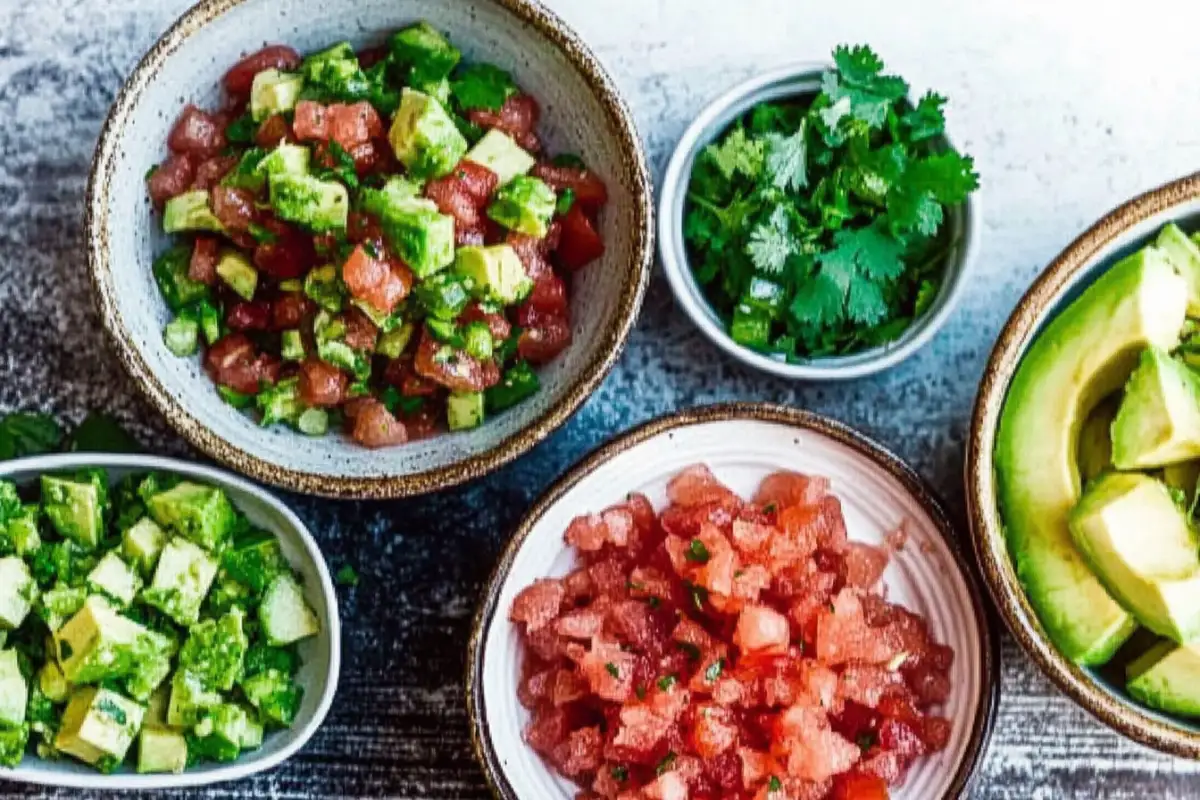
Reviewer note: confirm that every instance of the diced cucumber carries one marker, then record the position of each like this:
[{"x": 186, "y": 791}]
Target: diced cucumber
[
  {"x": 238, "y": 273},
  {"x": 171, "y": 274},
  {"x": 751, "y": 327},
  {"x": 291, "y": 346},
  {"x": 464, "y": 410},
  {"x": 392, "y": 345},
  {"x": 477, "y": 340},
  {"x": 182, "y": 336},
  {"x": 519, "y": 383},
  {"x": 314, "y": 422}
]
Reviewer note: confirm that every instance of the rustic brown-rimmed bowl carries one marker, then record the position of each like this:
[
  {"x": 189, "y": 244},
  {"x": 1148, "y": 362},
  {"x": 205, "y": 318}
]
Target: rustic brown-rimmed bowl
[
  {"x": 1123, "y": 231},
  {"x": 742, "y": 443},
  {"x": 582, "y": 112}
]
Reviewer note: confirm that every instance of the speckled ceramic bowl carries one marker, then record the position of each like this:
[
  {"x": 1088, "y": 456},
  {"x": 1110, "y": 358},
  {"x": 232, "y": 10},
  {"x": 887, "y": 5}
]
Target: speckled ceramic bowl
[
  {"x": 794, "y": 81},
  {"x": 582, "y": 112},
  {"x": 742, "y": 443},
  {"x": 1127, "y": 229},
  {"x": 321, "y": 654}
]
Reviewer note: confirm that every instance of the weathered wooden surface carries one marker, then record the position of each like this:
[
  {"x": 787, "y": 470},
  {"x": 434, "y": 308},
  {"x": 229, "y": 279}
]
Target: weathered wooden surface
[{"x": 1068, "y": 107}]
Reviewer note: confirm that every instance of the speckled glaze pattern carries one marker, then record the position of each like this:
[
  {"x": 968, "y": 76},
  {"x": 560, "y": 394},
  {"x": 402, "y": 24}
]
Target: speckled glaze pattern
[
  {"x": 1127, "y": 228},
  {"x": 582, "y": 112}
]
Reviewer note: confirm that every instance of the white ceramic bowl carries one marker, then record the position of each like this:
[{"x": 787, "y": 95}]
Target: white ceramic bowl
[
  {"x": 321, "y": 654},
  {"x": 793, "y": 81},
  {"x": 582, "y": 112},
  {"x": 742, "y": 443}
]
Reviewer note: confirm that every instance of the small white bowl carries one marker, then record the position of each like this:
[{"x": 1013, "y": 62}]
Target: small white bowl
[
  {"x": 321, "y": 655},
  {"x": 742, "y": 444},
  {"x": 794, "y": 81}
]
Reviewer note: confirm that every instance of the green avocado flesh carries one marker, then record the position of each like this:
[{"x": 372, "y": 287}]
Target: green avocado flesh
[
  {"x": 1167, "y": 678},
  {"x": 1083, "y": 355},
  {"x": 1159, "y": 419}
]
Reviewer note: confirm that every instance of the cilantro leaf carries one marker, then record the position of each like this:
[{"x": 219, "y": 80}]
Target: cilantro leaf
[
  {"x": 926, "y": 119},
  {"x": 483, "y": 86},
  {"x": 948, "y": 176},
  {"x": 858, "y": 79},
  {"x": 785, "y": 161},
  {"x": 818, "y": 301},
  {"x": 771, "y": 243},
  {"x": 737, "y": 155},
  {"x": 28, "y": 434},
  {"x": 100, "y": 433}
]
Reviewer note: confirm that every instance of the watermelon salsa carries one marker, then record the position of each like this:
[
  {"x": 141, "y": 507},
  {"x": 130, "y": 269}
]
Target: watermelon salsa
[
  {"x": 726, "y": 649},
  {"x": 376, "y": 239}
]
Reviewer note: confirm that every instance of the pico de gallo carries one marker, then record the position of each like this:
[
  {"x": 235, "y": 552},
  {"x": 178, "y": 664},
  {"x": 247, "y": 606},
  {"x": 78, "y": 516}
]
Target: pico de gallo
[
  {"x": 728, "y": 649},
  {"x": 376, "y": 239}
]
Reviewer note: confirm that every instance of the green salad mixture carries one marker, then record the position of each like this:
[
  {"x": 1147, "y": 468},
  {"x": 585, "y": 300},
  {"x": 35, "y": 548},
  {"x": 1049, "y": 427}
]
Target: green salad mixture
[
  {"x": 817, "y": 226},
  {"x": 151, "y": 609}
]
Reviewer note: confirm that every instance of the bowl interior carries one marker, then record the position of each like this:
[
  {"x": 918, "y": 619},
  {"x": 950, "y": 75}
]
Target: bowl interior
[
  {"x": 793, "y": 82},
  {"x": 579, "y": 115},
  {"x": 926, "y": 576},
  {"x": 1084, "y": 684},
  {"x": 318, "y": 674}
]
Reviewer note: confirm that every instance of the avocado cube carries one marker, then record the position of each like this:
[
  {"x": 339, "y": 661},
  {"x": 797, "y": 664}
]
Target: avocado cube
[
  {"x": 280, "y": 403},
  {"x": 98, "y": 643},
  {"x": 181, "y": 581},
  {"x": 13, "y": 742},
  {"x": 23, "y": 530},
  {"x": 202, "y": 514},
  {"x": 170, "y": 271},
  {"x": 156, "y": 707},
  {"x": 392, "y": 344},
  {"x": 274, "y": 92},
  {"x": 246, "y": 174},
  {"x": 57, "y": 605},
  {"x": 421, "y": 235},
  {"x": 285, "y": 159},
  {"x": 227, "y": 594},
  {"x": 333, "y": 67},
  {"x": 275, "y": 695},
  {"x": 443, "y": 297},
  {"x": 227, "y": 730},
  {"x": 478, "y": 341},
  {"x": 396, "y": 192},
  {"x": 313, "y": 422},
  {"x": 464, "y": 410},
  {"x": 190, "y": 701},
  {"x": 182, "y": 336},
  {"x": 498, "y": 152},
  {"x": 17, "y": 592},
  {"x": 151, "y": 669},
  {"x": 14, "y": 690},
  {"x": 291, "y": 346},
  {"x": 190, "y": 211},
  {"x": 426, "y": 50},
  {"x": 53, "y": 683},
  {"x": 76, "y": 507},
  {"x": 215, "y": 650},
  {"x": 496, "y": 272},
  {"x": 255, "y": 560},
  {"x": 519, "y": 383},
  {"x": 324, "y": 287},
  {"x": 317, "y": 204},
  {"x": 238, "y": 273},
  {"x": 285, "y": 615},
  {"x": 142, "y": 543},
  {"x": 424, "y": 137},
  {"x": 161, "y": 750},
  {"x": 115, "y": 579},
  {"x": 525, "y": 205},
  {"x": 1158, "y": 422},
  {"x": 98, "y": 724}
]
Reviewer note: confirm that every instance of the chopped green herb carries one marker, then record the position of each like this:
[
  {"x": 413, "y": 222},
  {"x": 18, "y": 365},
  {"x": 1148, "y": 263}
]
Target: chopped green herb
[
  {"x": 653, "y": 601},
  {"x": 697, "y": 552},
  {"x": 566, "y": 199},
  {"x": 611, "y": 669},
  {"x": 28, "y": 434},
  {"x": 774, "y": 784},
  {"x": 482, "y": 86},
  {"x": 666, "y": 764},
  {"x": 667, "y": 681},
  {"x": 640, "y": 691},
  {"x": 693, "y": 652},
  {"x": 241, "y": 130},
  {"x": 866, "y": 740},
  {"x": 620, "y": 774},
  {"x": 347, "y": 576},
  {"x": 261, "y": 234}
]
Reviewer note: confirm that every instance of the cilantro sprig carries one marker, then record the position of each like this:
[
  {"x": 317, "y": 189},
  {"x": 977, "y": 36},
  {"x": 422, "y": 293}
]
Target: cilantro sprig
[{"x": 817, "y": 227}]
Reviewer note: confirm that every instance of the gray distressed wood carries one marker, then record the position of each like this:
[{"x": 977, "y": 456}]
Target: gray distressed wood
[{"x": 1068, "y": 107}]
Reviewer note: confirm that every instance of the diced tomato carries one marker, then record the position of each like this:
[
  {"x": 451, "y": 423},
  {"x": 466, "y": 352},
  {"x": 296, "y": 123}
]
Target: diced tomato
[
  {"x": 210, "y": 172},
  {"x": 544, "y": 343},
  {"x": 453, "y": 368},
  {"x": 760, "y": 630},
  {"x": 696, "y": 485},
  {"x": 311, "y": 121},
  {"x": 233, "y": 207},
  {"x": 289, "y": 254},
  {"x": 497, "y": 324},
  {"x": 322, "y": 385},
  {"x": 372, "y": 157},
  {"x": 785, "y": 489},
  {"x": 170, "y": 178},
  {"x": 197, "y": 133},
  {"x": 376, "y": 427},
  {"x": 518, "y": 117},
  {"x": 290, "y": 311},
  {"x": 580, "y": 754},
  {"x": 864, "y": 565},
  {"x": 538, "y": 604},
  {"x": 580, "y": 244},
  {"x": 853, "y": 786},
  {"x": 233, "y": 362},
  {"x": 376, "y": 280},
  {"x": 203, "y": 265},
  {"x": 273, "y": 131},
  {"x": 361, "y": 333},
  {"x": 476, "y": 180},
  {"x": 240, "y": 77},
  {"x": 532, "y": 253},
  {"x": 714, "y": 731},
  {"x": 590, "y": 192},
  {"x": 452, "y": 199},
  {"x": 353, "y": 125},
  {"x": 549, "y": 297},
  {"x": 249, "y": 316},
  {"x": 400, "y": 373}
]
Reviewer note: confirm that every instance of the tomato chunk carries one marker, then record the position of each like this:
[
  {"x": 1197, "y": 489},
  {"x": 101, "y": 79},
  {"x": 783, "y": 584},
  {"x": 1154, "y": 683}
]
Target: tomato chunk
[
  {"x": 197, "y": 133},
  {"x": 203, "y": 265},
  {"x": 240, "y": 77},
  {"x": 374, "y": 426},
  {"x": 590, "y": 192},
  {"x": 452, "y": 368},
  {"x": 322, "y": 385},
  {"x": 518, "y": 117},
  {"x": 580, "y": 244},
  {"x": 170, "y": 178}
]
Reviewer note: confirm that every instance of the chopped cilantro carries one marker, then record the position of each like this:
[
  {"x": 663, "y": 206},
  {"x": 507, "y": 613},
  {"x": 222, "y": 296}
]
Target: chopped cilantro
[
  {"x": 569, "y": 160},
  {"x": 640, "y": 691},
  {"x": 611, "y": 669},
  {"x": 28, "y": 434},
  {"x": 241, "y": 130},
  {"x": 697, "y": 552},
  {"x": 693, "y": 652},
  {"x": 566, "y": 199},
  {"x": 339, "y": 166},
  {"x": 666, "y": 682},
  {"x": 666, "y": 764},
  {"x": 774, "y": 784},
  {"x": 866, "y": 740},
  {"x": 698, "y": 593},
  {"x": 619, "y": 774},
  {"x": 347, "y": 576},
  {"x": 261, "y": 234},
  {"x": 482, "y": 86},
  {"x": 653, "y": 602}
]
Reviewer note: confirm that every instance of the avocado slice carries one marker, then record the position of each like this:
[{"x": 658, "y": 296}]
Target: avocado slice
[
  {"x": 1159, "y": 419},
  {"x": 525, "y": 205},
  {"x": 1167, "y": 678},
  {"x": 1094, "y": 452},
  {"x": 1184, "y": 255},
  {"x": 1082, "y": 356},
  {"x": 496, "y": 272},
  {"x": 1140, "y": 545},
  {"x": 424, "y": 137},
  {"x": 498, "y": 152},
  {"x": 238, "y": 273},
  {"x": 190, "y": 211}
]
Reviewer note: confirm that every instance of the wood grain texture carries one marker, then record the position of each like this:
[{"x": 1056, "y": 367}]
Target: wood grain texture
[{"x": 1069, "y": 108}]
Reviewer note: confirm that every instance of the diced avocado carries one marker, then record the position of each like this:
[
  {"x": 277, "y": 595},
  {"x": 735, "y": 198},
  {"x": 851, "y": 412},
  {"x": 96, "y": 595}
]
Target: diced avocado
[
  {"x": 750, "y": 327},
  {"x": 498, "y": 152},
  {"x": 59, "y": 604},
  {"x": 1181, "y": 478},
  {"x": 18, "y": 592},
  {"x": 98, "y": 643},
  {"x": 225, "y": 731},
  {"x": 255, "y": 560},
  {"x": 142, "y": 543},
  {"x": 525, "y": 205},
  {"x": 115, "y": 579},
  {"x": 275, "y": 695},
  {"x": 1085, "y": 354},
  {"x": 182, "y": 336},
  {"x": 238, "y": 273},
  {"x": 14, "y": 690},
  {"x": 1140, "y": 545},
  {"x": 317, "y": 204},
  {"x": 395, "y": 193},
  {"x": 161, "y": 750},
  {"x": 313, "y": 422},
  {"x": 214, "y": 651},
  {"x": 1094, "y": 452},
  {"x": 181, "y": 581},
  {"x": 343, "y": 356},
  {"x": 424, "y": 137},
  {"x": 477, "y": 340},
  {"x": 13, "y": 742},
  {"x": 444, "y": 296},
  {"x": 53, "y": 683},
  {"x": 1159, "y": 419},
  {"x": 383, "y": 321},
  {"x": 156, "y": 707},
  {"x": 285, "y": 159},
  {"x": 274, "y": 92},
  {"x": 464, "y": 410},
  {"x": 190, "y": 701},
  {"x": 75, "y": 507},
  {"x": 421, "y": 235},
  {"x": 1167, "y": 677},
  {"x": 246, "y": 174},
  {"x": 333, "y": 66},
  {"x": 392, "y": 345},
  {"x": 423, "y": 48},
  {"x": 324, "y": 287},
  {"x": 291, "y": 346},
  {"x": 234, "y": 398},
  {"x": 497, "y": 272},
  {"x": 22, "y": 530},
  {"x": 151, "y": 668},
  {"x": 190, "y": 211},
  {"x": 210, "y": 321},
  {"x": 1184, "y": 255},
  {"x": 171, "y": 274},
  {"x": 227, "y": 594},
  {"x": 519, "y": 382},
  {"x": 202, "y": 514},
  {"x": 285, "y": 615},
  {"x": 98, "y": 723},
  {"x": 280, "y": 403}
]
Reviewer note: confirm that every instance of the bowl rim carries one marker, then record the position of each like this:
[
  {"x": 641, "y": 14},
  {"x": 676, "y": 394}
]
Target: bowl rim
[
  {"x": 485, "y": 615},
  {"x": 987, "y": 536},
  {"x": 385, "y": 486},
  {"x": 715, "y": 115},
  {"x": 236, "y": 769}
]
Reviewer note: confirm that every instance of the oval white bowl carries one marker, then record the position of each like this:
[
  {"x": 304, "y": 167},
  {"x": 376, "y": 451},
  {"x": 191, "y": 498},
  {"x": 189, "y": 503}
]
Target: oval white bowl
[
  {"x": 742, "y": 444},
  {"x": 321, "y": 655}
]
